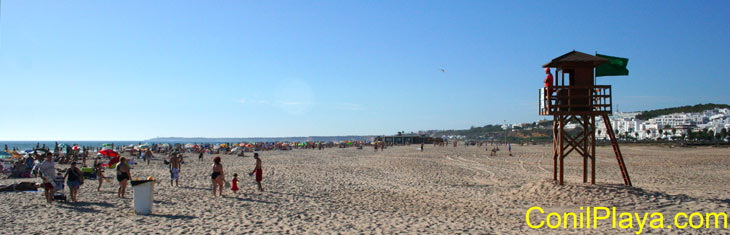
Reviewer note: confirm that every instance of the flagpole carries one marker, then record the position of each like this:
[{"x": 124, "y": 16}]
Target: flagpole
[{"x": 594, "y": 72}]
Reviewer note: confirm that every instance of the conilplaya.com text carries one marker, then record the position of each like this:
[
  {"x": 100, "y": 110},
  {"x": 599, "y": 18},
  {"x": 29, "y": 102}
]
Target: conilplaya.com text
[{"x": 603, "y": 217}]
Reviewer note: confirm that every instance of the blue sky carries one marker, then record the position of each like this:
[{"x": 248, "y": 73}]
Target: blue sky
[{"x": 131, "y": 70}]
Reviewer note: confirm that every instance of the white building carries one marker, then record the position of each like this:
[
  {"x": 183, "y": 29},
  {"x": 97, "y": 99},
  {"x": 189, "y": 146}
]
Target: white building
[
  {"x": 671, "y": 126},
  {"x": 672, "y": 120}
]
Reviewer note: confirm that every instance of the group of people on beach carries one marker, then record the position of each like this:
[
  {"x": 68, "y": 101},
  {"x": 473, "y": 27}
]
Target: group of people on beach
[
  {"x": 218, "y": 176},
  {"x": 74, "y": 176}
]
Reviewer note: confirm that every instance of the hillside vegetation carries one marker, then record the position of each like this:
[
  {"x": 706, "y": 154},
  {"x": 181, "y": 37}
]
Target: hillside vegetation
[{"x": 646, "y": 115}]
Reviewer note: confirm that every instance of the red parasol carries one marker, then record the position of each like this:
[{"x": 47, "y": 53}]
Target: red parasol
[{"x": 109, "y": 153}]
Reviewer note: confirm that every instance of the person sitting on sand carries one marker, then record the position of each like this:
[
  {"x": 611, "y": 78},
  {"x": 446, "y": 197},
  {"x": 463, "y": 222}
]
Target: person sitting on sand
[
  {"x": 74, "y": 180},
  {"x": 174, "y": 169},
  {"x": 258, "y": 171},
  {"x": 48, "y": 172},
  {"x": 123, "y": 176},
  {"x": 217, "y": 176},
  {"x": 19, "y": 187}
]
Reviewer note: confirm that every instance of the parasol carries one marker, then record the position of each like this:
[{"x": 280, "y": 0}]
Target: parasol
[{"x": 109, "y": 153}]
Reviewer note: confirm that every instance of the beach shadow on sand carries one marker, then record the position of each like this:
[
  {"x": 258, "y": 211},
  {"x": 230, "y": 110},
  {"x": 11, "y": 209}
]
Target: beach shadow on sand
[
  {"x": 164, "y": 202},
  {"x": 84, "y": 206},
  {"x": 294, "y": 195},
  {"x": 726, "y": 201},
  {"x": 82, "y": 209},
  {"x": 101, "y": 204},
  {"x": 180, "y": 217},
  {"x": 197, "y": 188},
  {"x": 638, "y": 192},
  {"x": 472, "y": 185},
  {"x": 253, "y": 200}
]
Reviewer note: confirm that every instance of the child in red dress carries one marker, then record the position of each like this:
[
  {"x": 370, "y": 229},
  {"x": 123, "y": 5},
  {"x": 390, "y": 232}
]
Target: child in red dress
[{"x": 234, "y": 183}]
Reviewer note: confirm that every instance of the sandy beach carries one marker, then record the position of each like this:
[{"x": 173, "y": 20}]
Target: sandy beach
[{"x": 440, "y": 190}]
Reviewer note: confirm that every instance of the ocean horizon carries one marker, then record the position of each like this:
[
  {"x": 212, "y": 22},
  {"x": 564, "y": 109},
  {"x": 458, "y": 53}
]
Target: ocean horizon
[{"x": 29, "y": 144}]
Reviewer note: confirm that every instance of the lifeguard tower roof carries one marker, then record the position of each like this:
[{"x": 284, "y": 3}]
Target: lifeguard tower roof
[{"x": 575, "y": 58}]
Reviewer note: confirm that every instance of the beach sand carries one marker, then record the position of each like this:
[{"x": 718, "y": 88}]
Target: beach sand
[{"x": 440, "y": 190}]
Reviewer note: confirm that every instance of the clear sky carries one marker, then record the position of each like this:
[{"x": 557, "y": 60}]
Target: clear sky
[{"x": 132, "y": 70}]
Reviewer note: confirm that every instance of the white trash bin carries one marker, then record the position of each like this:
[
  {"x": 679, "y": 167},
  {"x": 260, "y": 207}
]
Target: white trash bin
[{"x": 143, "y": 190}]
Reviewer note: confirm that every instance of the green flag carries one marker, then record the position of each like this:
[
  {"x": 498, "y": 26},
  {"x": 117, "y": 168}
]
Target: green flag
[{"x": 616, "y": 66}]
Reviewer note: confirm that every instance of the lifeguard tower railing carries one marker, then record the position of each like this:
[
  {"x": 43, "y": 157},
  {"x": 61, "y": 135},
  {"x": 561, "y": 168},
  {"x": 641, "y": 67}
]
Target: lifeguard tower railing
[{"x": 575, "y": 100}]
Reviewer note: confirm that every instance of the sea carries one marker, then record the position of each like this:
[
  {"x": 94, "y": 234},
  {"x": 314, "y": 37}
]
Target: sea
[{"x": 27, "y": 145}]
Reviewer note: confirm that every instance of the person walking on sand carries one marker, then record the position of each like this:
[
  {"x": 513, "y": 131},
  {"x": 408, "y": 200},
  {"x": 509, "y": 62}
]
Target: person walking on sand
[
  {"x": 48, "y": 172},
  {"x": 123, "y": 176},
  {"x": 200, "y": 156},
  {"x": 74, "y": 180},
  {"x": 83, "y": 158},
  {"x": 217, "y": 176},
  {"x": 258, "y": 171},
  {"x": 99, "y": 174},
  {"x": 148, "y": 156},
  {"x": 174, "y": 169}
]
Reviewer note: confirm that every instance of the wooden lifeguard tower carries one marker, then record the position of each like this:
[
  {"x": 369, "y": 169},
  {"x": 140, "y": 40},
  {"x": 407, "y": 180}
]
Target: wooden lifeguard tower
[{"x": 573, "y": 97}]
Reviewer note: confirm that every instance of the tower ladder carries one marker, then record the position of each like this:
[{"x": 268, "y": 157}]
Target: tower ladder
[{"x": 617, "y": 150}]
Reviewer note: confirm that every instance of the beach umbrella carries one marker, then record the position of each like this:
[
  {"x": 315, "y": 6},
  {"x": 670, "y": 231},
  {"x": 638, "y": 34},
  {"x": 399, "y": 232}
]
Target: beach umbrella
[
  {"x": 109, "y": 153},
  {"x": 113, "y": 161},
  {"x": 106, "y": 146},
  {"x": 143, "y": 146}
]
